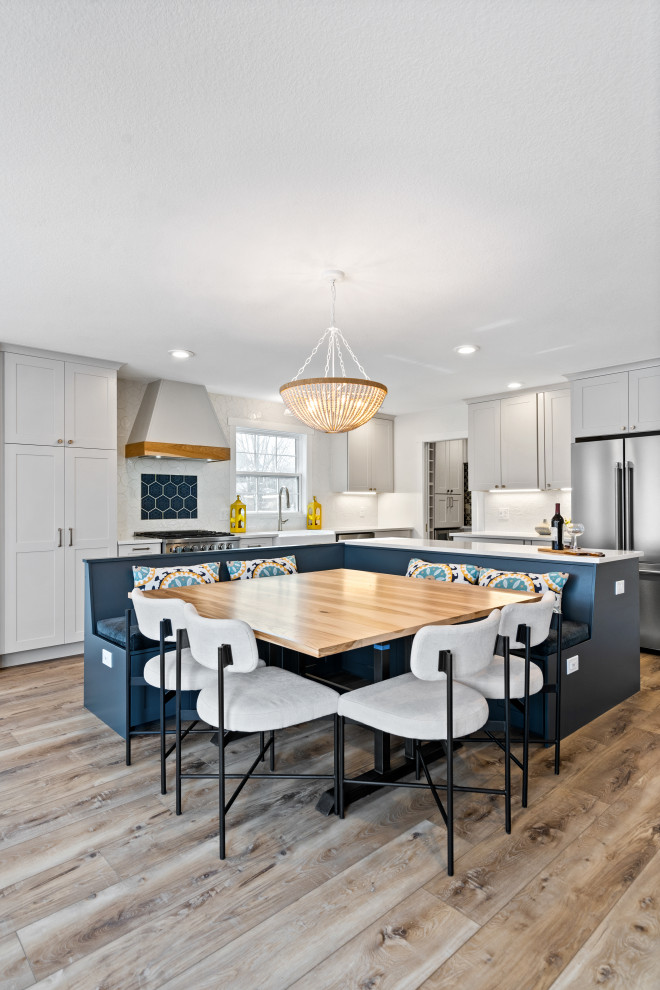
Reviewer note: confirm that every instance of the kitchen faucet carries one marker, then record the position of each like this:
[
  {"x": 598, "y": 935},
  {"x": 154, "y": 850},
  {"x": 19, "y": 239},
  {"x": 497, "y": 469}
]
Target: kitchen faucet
[{"x": 280, "y": 521}]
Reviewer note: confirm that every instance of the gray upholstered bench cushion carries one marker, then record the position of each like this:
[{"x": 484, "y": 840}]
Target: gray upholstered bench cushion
[
  {"x": 114, "y": 630},
  {"x": 572, "y": 633}
]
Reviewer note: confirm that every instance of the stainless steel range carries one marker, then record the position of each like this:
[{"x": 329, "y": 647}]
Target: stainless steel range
[{"x": 187, "y": 540}]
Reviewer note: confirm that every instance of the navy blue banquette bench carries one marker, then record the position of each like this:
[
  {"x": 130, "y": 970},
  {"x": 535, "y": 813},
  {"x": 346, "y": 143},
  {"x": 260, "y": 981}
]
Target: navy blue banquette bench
[{"x": 598, "y": 627}]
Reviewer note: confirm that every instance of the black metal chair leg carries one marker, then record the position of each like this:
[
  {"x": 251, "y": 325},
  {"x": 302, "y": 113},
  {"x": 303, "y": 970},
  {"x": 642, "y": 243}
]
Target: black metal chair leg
[
  {"x": 450, "y": 764},
  {"x": 340, "y": 767},
  {"x": 558, "y": 695},
  {"x": 127, "y": 633},
  {"x": 163, "y": 757},
  {"x": 262, "y": 744},
  {"x": 507, "y": 736},
  {"x": 221, "y": 749},
  {"x": 335, "y": 737},
  {"x": 272, "y": 751},
  {"x": 179, "y": 638},
  {"x": 418, "y": 765},
  {"x": 526, "y": 720}
]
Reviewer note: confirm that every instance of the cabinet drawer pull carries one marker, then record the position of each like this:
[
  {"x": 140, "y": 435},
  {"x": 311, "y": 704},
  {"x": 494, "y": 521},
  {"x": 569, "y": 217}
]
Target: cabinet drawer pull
[
  {"x": 60, "y": 531},
  {"x": 70, "y": 536}
]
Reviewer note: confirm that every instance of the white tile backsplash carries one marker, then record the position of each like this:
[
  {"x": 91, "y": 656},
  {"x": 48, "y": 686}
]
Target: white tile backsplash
[{"x": 525, "y": 510}]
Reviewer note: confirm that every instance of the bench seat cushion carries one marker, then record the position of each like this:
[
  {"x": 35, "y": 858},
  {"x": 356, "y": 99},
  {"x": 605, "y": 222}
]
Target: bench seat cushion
[
  {"x": 572, "y": 633},
  {"x": 114, "y": 630}
]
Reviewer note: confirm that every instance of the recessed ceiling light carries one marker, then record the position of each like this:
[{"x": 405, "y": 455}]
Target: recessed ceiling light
[
  {"x": 515, "y": 385},
  {"x": 466, "y": 349},
  {"x": 180, "y": 354}
]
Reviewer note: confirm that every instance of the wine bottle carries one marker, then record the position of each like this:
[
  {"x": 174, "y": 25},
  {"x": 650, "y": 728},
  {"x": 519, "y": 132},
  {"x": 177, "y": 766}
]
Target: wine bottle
[{"x": 556, "y": 527}]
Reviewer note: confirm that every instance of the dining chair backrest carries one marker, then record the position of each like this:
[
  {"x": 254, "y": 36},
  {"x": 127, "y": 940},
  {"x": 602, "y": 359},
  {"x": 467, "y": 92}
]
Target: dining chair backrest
[
  {"x": 536, "y": 615},
  {"x": 151, "y": 611},
  {"x": 206, "y": 635},
  {"x": 472, "y": 645}
]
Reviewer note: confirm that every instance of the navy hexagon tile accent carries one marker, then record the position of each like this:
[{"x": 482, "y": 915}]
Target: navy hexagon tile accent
[{"x": 168, "y": 496}]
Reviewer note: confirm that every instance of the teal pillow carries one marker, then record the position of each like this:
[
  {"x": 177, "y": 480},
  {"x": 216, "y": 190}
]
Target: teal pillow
[{"x": 245, "y": 570}]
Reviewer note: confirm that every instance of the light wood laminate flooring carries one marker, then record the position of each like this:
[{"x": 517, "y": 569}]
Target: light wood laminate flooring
[{"x": 104, "y": 887}]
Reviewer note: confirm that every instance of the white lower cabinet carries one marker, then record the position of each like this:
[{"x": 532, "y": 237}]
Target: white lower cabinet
[
  {"x": 33, "y": 547},
  {"x": 60, "y": 508}
]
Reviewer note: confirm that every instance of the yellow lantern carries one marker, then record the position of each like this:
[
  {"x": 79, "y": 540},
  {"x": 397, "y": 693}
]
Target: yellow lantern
[
  {"x": 314, "y": 514},
  {"x": 237, "y": 516}
]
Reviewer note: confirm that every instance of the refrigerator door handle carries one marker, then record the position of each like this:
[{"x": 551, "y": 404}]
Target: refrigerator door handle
[
  {"x": 629, "y": 507},
  {"x": 618, "y": 505}
]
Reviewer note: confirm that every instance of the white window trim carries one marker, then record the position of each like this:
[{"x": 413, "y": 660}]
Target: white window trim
[{"x": 291, "y": 429}]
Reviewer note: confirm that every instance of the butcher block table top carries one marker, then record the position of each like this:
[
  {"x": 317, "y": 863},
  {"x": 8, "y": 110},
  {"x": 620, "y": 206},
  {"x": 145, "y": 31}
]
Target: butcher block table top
[{"x": 320, "y": 613}]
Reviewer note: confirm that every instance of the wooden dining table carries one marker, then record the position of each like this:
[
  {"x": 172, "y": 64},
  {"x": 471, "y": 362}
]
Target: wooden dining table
[{"x": 322, "y": 613}]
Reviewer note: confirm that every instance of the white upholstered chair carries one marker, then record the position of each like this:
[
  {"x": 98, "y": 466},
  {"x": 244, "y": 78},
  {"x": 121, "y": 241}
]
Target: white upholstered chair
[
  {"x": 522, "y": 626},
  {"x": 248, "y": 698},
  {"x": 429, "y": 703},
  {"x": 162, "y": 620}
]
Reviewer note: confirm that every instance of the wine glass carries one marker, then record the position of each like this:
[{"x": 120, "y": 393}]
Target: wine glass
[{"x": 576, "y": 529}]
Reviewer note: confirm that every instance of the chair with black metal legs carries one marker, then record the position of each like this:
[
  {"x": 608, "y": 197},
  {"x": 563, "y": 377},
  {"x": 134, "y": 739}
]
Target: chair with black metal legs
[
  {"x": 521, "y": 626},
  {"x": 248, "y": 698},
  {"x": 430, "y": 703},
  {"x": 162, "y": 620}
]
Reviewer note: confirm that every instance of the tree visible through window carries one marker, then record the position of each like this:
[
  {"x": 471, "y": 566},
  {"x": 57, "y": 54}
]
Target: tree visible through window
[{"x": 266, "y": 461}]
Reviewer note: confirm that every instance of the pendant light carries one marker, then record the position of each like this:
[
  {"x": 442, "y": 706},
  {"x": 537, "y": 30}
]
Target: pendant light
[{"x": 333, "y": 404}]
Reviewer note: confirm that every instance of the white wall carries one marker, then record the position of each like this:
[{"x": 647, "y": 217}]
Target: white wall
[
  {"x": 448, "y": 422},
  {"x": 213, "y": 480}
]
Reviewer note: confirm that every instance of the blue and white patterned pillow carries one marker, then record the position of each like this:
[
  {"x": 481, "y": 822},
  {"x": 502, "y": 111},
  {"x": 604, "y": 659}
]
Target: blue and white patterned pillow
[
  {"x": 245, "y": 570},
  {"x": 521, "y": 581},
  {"x": 465, "y": 573},
  {"x": 153, "y": 578}
]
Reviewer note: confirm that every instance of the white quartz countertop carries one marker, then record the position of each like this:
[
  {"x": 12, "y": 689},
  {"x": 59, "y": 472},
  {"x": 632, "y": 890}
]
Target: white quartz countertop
[
  {"x": 482, "y": 549},
  {"x": 258, "y": 533}
]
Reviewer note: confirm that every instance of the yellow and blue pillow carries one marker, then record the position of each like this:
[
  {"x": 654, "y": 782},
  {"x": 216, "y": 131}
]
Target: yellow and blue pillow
[
  {"x": 245, "y": 570},
  {"x": 521, "y": 581},
  {"x": 465, "y": 573},
  {"x": 155, "y": 578}
]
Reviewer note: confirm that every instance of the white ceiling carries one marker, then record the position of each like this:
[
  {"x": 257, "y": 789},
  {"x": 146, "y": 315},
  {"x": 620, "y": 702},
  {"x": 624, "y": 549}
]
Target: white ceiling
[{"x": 180, "y": 172}]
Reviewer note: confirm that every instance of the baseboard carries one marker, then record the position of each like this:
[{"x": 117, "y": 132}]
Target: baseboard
[{"x": 44, "y": 653}]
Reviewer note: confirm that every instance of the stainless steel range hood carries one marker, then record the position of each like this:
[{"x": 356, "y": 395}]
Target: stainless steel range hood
[{"x": 176, "y": 419}]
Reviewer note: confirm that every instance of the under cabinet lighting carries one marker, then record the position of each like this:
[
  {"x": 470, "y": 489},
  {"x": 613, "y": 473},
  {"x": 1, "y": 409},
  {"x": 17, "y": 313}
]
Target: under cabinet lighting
[
  {"x": 360, "y": 493},
  {"x": 507, "y": 491}
]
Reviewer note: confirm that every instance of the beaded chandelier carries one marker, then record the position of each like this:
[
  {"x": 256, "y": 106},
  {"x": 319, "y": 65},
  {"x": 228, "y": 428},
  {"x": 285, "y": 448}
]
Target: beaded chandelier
[{"x": 332, "y": 404}]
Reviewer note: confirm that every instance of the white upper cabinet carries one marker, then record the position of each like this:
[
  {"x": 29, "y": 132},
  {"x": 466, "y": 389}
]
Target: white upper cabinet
[
  {"x": 557, "y": 437},
  {"x": 519, "y": 441},
  {"x": 34, "y": 400},
  {"x": 363, "y": 459},
  {"x": 644, "y": 399},
  {"x": 599, "y": 405},
  {"x": 59, "y": 403},
  {"x": 90, "y": 406},
  {"x": 484, "y": 471}
]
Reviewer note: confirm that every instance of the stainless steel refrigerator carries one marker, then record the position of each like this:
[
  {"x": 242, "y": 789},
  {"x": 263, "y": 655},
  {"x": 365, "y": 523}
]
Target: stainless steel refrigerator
[{"x": 616, "y": 495}]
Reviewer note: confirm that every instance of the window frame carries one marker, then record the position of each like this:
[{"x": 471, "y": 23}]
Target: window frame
[{"x": 300, "y": 436}]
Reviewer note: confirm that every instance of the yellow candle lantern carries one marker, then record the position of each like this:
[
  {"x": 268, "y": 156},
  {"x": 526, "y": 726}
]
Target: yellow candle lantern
[
  {"x": 237, "y": 516},
  {"x": 314, "y": 514}
]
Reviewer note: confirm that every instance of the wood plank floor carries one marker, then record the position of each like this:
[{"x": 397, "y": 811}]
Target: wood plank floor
[{"x": 104, "y": 887}]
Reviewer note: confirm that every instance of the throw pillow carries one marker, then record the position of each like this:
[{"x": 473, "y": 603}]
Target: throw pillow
[
  {"x": 520, "y": 581},
  {"x": 153, "y": 578},
  {"x": 245, "y": 570},
  {"x": 466, "y": 573}
]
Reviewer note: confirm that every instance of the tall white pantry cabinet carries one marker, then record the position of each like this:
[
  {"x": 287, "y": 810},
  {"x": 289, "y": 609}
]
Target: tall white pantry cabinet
[{"x": 59, "y": 492}]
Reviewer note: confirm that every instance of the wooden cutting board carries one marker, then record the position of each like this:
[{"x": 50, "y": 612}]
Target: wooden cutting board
[{"x": 573, "y": 553}]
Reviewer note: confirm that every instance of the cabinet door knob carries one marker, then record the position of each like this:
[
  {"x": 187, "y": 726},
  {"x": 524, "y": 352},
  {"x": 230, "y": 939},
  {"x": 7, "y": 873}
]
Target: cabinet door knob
[
  {"x": 633, "y": 427},
  {"x": 60, "y": 441},
  {"x": 69, "y": 441},
  {"x": 503, "y": 486},
  {"x": 623, "y": 429}
]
